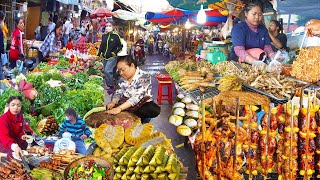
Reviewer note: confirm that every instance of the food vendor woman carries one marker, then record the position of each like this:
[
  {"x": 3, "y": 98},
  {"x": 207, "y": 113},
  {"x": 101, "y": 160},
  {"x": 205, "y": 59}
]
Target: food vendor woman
[
  {"x": 51, "y": 43},
  {"x": 134, "y": 91},
  {"x": 16, "y": 48},
  {"x": 77, "y": 127},
  {"x": 250, "y": 39},
  {"x": 12, "y": 128}
]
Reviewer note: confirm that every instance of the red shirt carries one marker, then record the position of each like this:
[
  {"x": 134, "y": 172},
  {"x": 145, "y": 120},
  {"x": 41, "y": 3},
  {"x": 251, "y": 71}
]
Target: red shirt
[
  {"x": 16, "y": 47},
  {"x": 11, "y": 129}
]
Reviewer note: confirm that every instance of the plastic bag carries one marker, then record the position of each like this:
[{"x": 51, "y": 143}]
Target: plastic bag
[{"x": 282, "y": 56}]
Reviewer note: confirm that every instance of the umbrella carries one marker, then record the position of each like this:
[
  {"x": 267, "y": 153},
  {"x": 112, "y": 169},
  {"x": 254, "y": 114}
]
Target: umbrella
[
  {"x": 214, "y": 17},
  {"x": 101, "y": 12},
  {"x": 191, "y": 4}
]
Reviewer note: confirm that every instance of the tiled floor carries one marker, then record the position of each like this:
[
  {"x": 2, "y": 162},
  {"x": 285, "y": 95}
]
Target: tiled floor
[{"x": 155, "y": 65}]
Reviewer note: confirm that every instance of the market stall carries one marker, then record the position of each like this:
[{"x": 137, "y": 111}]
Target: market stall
[{"x": 257, "y": 124}]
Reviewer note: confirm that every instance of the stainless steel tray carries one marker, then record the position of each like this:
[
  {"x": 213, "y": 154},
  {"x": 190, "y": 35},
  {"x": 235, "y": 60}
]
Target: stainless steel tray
[{"x": 273, "y": 99}]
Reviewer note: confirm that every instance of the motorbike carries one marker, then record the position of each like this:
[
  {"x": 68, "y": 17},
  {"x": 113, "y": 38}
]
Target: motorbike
[
  {"x": 166, "y": 50},
  {"x": 139, "y": 54},
  {"x": 150, "y": 48}
]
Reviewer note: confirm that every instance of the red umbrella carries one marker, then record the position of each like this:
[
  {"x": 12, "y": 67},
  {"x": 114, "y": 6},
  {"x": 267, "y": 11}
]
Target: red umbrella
[{"x": 101, "y": 12}]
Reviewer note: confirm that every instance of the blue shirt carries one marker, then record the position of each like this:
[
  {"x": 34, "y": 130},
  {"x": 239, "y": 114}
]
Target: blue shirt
[
  {"x": 77, "y": 129},
  {"x": 243, "y": 35}
]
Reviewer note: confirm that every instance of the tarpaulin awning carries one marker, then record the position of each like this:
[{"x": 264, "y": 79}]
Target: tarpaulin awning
[
  {"x": 307, "y": 8},
  {"x": 101, "y": 12},
  {"x": 143, "y": 6},
  {"x": 191, "y": 4},
  {"x": 214, "y": 17},
  {"x": 168, "y": 16},
  {"x": 71, "y": 2}
]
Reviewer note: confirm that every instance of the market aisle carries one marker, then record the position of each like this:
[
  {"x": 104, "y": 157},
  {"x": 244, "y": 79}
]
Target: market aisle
[{"x": 154, "y": 65}]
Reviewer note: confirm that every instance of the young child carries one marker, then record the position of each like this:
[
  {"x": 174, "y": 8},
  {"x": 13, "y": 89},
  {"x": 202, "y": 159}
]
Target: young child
[{"x": 70, "y": 43}]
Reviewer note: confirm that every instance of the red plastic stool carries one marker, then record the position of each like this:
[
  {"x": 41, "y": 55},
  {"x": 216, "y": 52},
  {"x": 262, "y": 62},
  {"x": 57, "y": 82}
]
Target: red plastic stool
[{"x": 164, "y": 80}]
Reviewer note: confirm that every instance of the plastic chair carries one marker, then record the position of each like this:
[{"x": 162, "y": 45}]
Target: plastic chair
[{"x": 164, "y": 80}]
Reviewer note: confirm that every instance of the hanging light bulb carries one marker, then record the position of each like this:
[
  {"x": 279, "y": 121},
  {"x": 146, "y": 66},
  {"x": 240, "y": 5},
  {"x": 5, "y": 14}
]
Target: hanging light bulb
[
  {"x": 201, "y": 17},
  {"x": 188, "y": 24}
]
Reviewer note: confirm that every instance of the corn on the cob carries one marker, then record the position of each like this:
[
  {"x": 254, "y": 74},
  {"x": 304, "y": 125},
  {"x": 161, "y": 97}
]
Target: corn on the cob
[
  {"x": 146, "y": 156},
  {"x": 158, "y": 156},
  {"x": 126, "y": 157},
  {"x": 135, "y": 157}
]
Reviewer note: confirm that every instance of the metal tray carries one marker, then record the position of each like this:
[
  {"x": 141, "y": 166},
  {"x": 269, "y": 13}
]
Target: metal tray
[
  {"x": 196, "y": 94},
  {"x": 273, "y": 99}
]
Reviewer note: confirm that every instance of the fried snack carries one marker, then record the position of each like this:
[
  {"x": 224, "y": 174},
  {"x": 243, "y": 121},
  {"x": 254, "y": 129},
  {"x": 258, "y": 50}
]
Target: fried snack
[
  {"x": 307, "y": 65},
  {"x": 245, "y": 98}
]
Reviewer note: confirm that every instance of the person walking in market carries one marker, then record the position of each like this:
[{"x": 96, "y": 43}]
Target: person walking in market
[
  {"x": 134, "y": 92},
  {"x": 67, "y": 27},
  {"x": 16, "y": 48},
  {"x": 77, "y": 127},
  {"x": 51, "y": 25},
  {"x": 109, "y": 48},
  {"x": 95, "y": 28},
  {"x": 13, "y": 128},
  {"x": 2, "y": 49}
]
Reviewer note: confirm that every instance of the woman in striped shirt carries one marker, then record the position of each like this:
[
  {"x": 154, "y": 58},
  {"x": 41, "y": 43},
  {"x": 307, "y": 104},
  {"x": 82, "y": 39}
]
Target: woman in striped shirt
[{"x": 77, "y": 127}]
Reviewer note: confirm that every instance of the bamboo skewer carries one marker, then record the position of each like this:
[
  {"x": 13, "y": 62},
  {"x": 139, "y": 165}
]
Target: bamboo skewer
[
  {"x": 267, "y": 141},
  {"x": 236, "y": 139},
  {"x": 249, "y": 146},
  {"x": 291, "y": 134},
  {"x": 218, "y": 146},
  {"x": 307, "y": 138},
  {"x": 203, "y": 125}
]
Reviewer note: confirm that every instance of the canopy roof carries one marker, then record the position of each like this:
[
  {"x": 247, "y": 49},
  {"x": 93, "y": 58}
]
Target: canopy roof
[
  {"x": 191, "y": 4},
  {"x": 307, "y": 8},
  {"x": 178, "y": 16}
]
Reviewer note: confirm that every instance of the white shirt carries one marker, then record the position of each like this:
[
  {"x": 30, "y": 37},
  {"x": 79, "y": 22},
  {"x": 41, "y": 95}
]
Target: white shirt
[
  {"x": 51, "y": 26},
  {"x": 67, "y": 26},
  {"x": 37, "y": 31},
  {"x": 124, "y": 50}
]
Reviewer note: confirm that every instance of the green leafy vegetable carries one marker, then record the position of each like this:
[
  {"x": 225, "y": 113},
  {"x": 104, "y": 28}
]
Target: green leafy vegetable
[{"x": 77, "y": 81}]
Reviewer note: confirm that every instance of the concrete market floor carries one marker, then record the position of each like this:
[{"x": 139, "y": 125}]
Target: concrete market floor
[{"x": 154, "y": 65}]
